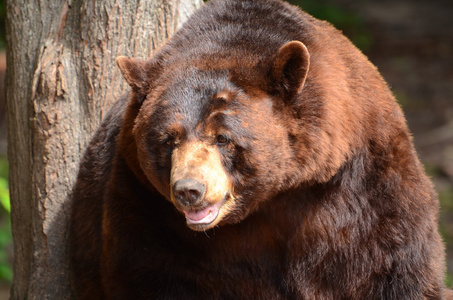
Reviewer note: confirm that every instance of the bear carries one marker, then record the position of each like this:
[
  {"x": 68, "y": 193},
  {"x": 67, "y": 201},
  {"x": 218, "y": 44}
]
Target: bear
[{"x": 257, "y": 155}]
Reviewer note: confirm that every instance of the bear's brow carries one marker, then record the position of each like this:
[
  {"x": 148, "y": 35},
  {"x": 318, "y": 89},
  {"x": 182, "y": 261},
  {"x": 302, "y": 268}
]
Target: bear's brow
[
  {"x": 175, "y": 129},
  {"x": 220, "y": 104},
  {"x": 223, "y": 112}
]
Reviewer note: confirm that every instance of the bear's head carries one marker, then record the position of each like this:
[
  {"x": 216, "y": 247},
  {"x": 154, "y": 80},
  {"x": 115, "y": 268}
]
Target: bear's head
[{"x": 215, "y": 139}]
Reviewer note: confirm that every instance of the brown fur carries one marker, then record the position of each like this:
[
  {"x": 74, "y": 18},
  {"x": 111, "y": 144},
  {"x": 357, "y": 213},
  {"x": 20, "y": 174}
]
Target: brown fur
[{"x": 303, "y": 177}]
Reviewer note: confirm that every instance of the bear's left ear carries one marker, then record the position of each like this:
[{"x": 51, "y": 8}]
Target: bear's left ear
[
  {"x": 290, "y": 68},
  {"x": 134, "y": 71}
]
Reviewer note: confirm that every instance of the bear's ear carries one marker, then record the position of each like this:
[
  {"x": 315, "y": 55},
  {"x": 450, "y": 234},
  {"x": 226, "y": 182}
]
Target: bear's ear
[
  {"x": 134, "y": 71},
  {"x": 290, "y": 68}
]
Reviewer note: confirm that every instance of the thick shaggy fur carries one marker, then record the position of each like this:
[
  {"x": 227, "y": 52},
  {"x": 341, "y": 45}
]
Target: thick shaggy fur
[{"x": 293, "y": 138}]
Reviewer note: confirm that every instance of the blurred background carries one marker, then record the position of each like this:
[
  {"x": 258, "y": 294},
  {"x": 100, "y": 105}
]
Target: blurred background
[{"x": 411, "y": 43}]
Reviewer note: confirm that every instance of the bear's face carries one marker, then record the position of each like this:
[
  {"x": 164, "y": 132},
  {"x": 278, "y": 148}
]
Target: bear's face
[
  {"x": 213, "y": 148},
  {"x": 199, "y": 146}
]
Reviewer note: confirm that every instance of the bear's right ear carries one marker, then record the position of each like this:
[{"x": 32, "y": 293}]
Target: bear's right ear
[
  {"x": 134, "y": 71},
  {"x": 290, "y": 68}
]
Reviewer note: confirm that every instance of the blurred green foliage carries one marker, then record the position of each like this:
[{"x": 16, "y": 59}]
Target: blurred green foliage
[
  {"x": 6, "y": 273},
  {"x": 6, "y": 240},
  {"x": 446, "y": 223}
]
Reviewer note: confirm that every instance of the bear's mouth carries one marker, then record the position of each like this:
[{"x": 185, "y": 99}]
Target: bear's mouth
[{"x": 202, "y": 218}]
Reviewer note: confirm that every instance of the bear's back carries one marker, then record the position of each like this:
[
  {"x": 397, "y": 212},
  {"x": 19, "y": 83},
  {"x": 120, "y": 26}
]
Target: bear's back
[{"x": 257, "y": 28}]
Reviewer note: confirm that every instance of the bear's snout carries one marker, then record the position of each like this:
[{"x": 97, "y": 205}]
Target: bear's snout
[
  {"x": 188, "y": 192},
  {"x": 200, "y": 187}
]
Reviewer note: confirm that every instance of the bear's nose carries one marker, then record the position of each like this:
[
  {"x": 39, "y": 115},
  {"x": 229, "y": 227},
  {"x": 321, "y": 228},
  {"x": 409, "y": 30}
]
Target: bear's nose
[{"x": 188, "y": 191}]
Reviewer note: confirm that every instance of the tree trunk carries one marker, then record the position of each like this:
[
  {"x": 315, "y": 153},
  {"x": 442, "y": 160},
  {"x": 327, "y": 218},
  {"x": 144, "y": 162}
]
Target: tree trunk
[{"x": 61, "y": 80}]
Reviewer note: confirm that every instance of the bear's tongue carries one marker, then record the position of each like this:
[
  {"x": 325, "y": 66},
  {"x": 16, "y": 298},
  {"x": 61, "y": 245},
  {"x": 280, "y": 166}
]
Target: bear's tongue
[{"x": 203, "y": 216}]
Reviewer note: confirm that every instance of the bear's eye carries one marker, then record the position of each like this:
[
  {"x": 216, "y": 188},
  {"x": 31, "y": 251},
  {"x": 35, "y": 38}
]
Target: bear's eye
[
  {"x": 222, "y": 140},
  {"x": 169, "y": 142}
]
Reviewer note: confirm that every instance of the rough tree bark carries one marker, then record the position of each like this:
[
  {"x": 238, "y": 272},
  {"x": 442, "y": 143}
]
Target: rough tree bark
[{"x": 61, "y": 79}]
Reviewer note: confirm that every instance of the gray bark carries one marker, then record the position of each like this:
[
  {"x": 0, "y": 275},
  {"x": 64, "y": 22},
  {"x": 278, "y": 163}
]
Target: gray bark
[{"x": 61, "y": 80}]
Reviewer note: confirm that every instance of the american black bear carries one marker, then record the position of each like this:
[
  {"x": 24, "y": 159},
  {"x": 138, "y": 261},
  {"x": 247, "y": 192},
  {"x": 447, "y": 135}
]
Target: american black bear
[{"x": 258, "y": 155}]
